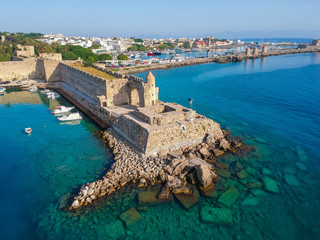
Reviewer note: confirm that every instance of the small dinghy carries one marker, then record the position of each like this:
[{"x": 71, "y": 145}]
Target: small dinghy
[{"x": 28, "y": 130}]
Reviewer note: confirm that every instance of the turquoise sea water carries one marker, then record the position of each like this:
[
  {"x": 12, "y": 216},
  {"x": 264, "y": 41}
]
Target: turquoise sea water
[{"x": 272, "y": 103}]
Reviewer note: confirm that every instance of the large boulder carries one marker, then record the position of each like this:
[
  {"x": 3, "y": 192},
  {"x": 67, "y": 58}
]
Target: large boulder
[
  {"x": 205, "y": 176},
  {"x": 250, "y": 201},
  {"x": 130, "y": 217},
  {"x": 187, "y": 200},
  {"x": 216, "y": 215},
  {"x": 150, "y": 198},
  {"x": 224, "y": 173},
  {"x": 229, "y": 197},
  {"x": 291, "y": 180},
  {"x": 75, "y": 204},
  {"x": 205, "y": 152},
  {"x": 270, "y": 184},
  {"x": 224, "y": 145},
  {"x": 164, "y": 193},
  {"x": 115, "y": 230}
]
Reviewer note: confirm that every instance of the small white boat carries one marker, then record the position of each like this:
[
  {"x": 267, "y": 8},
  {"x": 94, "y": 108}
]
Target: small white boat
[
  {"x": 70, "y": 117},
  {"x": 33, "y": 89},
  {"x": 62, "y": 109},
  {"x": 2, "y": 90},
  {"x": 28, "y": 130},
  {"x": 53, "y": 95},
  {"x": 74, "y": 122}
]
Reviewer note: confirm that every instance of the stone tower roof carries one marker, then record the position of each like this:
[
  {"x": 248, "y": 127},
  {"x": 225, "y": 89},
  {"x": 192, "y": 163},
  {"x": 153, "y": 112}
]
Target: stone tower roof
[{"x": 150, "y": 76}]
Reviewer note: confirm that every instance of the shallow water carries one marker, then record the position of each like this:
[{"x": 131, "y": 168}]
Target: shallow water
[{"x": 272, "y": 103}]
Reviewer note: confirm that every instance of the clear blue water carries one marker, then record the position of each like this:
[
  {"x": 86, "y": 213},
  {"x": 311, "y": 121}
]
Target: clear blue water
[{"x": 272, "y": 103}]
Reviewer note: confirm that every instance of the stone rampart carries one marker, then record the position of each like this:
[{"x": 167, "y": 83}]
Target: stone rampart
[
  {"x": 86, "y": 83},
  {"x": 181, "y": 134},
  {"x": 51, "y": 56},
  {"x": 28, "y": 68},
  {"x": 115, "y": 74}
]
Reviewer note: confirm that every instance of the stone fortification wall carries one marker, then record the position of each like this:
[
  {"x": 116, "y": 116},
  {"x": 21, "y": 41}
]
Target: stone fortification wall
[
  {"x": 52, "y": 70},
  {"x": 117, "y": 92},
  {"x": 84, "y": 82},
  {"x": 132, "y": 131},
  {"x": 173, "y": 136},
  {"x": 99, "y": 67},
  {"x": 28, "y": 68},
  {"x": 181, "y": 134},
  {"x": 51, "y": 56},
  {"x": 26, "y": 51},
  {"x": 134, "y": 79}
]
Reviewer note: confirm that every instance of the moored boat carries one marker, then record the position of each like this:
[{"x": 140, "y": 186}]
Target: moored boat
[
  {"x": 33, "y": 89},
  {"x": 62, "y": 109},
  {"x": 70, "y": 117},
  {"x": 53, "y": 95},
  {"x": 2, "y": 90},
  {"x": 28, "y": 130}
]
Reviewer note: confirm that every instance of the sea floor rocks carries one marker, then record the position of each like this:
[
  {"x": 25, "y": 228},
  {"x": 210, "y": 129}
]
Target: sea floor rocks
[
  {"x": 250, "y": 201},
  {"x": 224, "y": 173},
  {"x": 228, "y": 197},
  {"x": 242, "y": 174},
  {"x": 115, "y": 230},
  {"x": 291, "y": 180},
  {"x": 130, "y": 217},
  {"x": 187, "y": 200},
  {"x": 216, "y": 215},
  {"x": 270, "y": 184},
  {"x": 148, "y": 198}
]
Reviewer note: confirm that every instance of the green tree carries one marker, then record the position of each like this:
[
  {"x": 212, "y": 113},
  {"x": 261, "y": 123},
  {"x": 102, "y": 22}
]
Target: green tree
[
  {"x": 105, "y": 56},
  {"x": 133, "y": 48},
  {"x": 122, "y": 57},
  {"x": 95, "y": 46},
  {"x": 186, "y": 45},
  {"x": 163, "y": 46},
  {"x": 138, "y": 40}
]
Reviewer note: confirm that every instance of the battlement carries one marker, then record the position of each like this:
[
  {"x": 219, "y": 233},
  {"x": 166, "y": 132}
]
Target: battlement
[{"x": 164, "y": 113}]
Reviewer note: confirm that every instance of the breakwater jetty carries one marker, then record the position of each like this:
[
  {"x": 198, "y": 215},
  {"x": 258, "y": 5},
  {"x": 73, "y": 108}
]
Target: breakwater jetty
[{"x": 254, "y": 53}]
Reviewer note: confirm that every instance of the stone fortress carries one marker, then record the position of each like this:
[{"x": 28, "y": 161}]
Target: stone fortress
[
  {"x": 152, "y": 141},
  {"x": 128, "y": 104}
]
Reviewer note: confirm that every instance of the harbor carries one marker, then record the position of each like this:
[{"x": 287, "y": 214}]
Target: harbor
[{"x": 71, "y": 154}]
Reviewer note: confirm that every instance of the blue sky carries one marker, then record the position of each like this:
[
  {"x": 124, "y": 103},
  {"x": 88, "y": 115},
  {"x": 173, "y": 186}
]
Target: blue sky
[{"x": 142, "y": 18}]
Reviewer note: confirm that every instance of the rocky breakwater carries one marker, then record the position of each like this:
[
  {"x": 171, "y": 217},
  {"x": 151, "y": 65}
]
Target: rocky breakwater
[
  {"x": 175, "y": 170},
  {"x": 228, "y": 59}
]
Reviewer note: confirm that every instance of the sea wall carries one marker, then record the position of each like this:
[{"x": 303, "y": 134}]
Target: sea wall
[
  {"x": 152, "y": 140},
  {"x": 132, "y": 131},
  {"x": 181, "y": 134}
]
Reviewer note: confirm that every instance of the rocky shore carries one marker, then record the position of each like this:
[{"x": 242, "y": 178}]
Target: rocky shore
[{"x": 175, "y": 170}]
